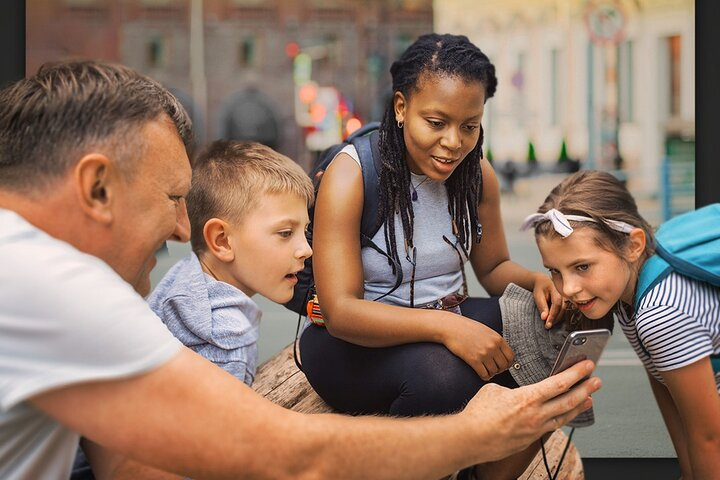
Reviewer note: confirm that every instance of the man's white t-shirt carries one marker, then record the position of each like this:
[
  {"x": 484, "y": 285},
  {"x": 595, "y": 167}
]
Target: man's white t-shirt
[{"x": 65, "y": 317}]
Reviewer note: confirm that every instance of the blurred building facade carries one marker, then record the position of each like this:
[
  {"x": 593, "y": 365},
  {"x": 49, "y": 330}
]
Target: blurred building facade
[
  {"x": 231, "y": 61},
  {"x": 614, "y": 79}
]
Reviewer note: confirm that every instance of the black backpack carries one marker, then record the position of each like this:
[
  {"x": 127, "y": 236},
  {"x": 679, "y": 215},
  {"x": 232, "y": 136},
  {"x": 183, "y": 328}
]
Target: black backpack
[{"x": 365, "y": 141}]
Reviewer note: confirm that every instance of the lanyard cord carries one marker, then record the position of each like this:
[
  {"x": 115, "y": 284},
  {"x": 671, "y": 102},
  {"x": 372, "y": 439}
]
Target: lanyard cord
[{"x": 562, "y": 457}]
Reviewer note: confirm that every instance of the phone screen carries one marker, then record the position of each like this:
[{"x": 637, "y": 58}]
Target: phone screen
[{"x": 581, "y": 345}]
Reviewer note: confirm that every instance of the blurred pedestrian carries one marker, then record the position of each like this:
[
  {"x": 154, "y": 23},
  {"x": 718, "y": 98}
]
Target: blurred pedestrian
[{"x": 509, "y": 173}]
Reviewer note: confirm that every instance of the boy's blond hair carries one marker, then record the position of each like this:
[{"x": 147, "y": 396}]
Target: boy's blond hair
[{"x": 229, "y": 178}]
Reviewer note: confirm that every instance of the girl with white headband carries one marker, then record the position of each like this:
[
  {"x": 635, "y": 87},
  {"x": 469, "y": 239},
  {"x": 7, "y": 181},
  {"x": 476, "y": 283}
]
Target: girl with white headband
[{"x": 594, "y": 243}]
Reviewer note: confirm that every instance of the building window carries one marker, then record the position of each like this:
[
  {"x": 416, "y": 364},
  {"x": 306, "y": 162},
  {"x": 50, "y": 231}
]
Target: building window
[
  {"x": 334, "y": 50},
  {"x": 156, "y": 52},
  {"x": 247, "y": 53},
  {"x": 250, "y": 3},
  {"x": 625, "y": 80},
  {"x": 413, "y": 5},
  {"x": 674, "y": 44},
  {"x": 518, "y": 81},
  {"x": 555, "y": 79},
  {"x": 80, "y": 7},
  {"x": 82, "y": 3},
  {"x": 402, "y": 42},
  {"x": 331, "y": 4},
  {"x": 325, "y": 50},
  {"x": 159, "y": 3}
]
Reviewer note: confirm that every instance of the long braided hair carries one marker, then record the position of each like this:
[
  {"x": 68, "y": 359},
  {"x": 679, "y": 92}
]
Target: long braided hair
[{"x": 447, "y": 55}]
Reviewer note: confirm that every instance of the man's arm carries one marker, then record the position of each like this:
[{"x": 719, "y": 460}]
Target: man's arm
[
  {"x": 192, "y": 418},
  {"x": 107, "y": 465}
]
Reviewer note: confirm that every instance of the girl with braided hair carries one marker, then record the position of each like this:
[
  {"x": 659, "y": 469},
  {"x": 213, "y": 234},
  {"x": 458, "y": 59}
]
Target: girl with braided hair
[{"x": 425, "y": 347}]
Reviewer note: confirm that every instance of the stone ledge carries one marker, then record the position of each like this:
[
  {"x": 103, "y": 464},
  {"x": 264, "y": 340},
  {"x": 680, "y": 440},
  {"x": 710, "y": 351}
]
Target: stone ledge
[{"x": 280, "y": 381}]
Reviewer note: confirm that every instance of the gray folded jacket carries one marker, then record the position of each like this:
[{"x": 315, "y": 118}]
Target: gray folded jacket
[{"x": 535, "y": 347}]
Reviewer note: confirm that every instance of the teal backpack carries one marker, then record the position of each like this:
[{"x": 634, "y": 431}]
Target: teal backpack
[{"x": 688, "y": 244}]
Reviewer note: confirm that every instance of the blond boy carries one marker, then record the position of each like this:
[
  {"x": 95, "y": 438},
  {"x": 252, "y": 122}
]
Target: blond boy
[{"x": 248, "y": 214}]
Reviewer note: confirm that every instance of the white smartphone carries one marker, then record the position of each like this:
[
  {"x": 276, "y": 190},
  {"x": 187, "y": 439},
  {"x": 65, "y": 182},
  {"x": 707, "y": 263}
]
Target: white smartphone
[{"x": 581, "y": 345}]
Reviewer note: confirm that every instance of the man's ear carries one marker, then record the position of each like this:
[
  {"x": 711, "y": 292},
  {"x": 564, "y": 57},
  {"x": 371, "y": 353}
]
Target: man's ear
[
  {"x": 94, "y": 180},
  {"x": 399, "y": 104},
  {"x": 216, "y": 233},
  {"x": 638, "y": 241}
]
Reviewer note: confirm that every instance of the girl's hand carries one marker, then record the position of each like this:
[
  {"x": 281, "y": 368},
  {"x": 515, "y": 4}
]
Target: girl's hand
[
  {"x": 548, "y": 300},
  {"x": 479, "y": 346}
]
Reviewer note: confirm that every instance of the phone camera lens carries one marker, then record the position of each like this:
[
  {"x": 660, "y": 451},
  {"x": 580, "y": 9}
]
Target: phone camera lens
[{"x": 579, "y": 341}]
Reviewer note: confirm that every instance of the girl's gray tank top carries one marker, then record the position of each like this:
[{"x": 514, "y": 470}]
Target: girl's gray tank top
[{"x": 438, "y": 266}]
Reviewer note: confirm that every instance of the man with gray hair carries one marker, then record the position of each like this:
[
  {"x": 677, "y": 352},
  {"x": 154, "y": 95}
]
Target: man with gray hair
[{"x": 94, "y": 170}]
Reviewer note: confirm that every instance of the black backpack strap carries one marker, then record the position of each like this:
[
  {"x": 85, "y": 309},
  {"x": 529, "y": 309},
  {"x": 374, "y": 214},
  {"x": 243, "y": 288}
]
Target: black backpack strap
[
  {"x": 371, "y": 182},
  {"x": 368, "y": 150}
]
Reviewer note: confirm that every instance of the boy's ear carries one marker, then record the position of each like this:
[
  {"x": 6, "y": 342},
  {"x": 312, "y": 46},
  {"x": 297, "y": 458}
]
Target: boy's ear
[
  {"x": 216, "y": 233},
  {"x": 95, "y": 179},
  {"x": 399, "y": 104},
  {"x": 638, "y": 241}
]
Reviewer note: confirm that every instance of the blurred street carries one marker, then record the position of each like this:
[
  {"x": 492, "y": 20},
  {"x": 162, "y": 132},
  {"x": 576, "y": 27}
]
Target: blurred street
[
  {"x": 628, "y": 423},
  {"x": 597, "y": 84}
]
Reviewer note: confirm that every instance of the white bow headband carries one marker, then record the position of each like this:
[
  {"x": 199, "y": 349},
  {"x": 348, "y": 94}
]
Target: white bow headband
[{"x": 561, "y": 222}]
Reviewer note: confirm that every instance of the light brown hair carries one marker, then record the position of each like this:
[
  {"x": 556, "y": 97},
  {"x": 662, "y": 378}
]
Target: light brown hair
[
  {"x": 229, "y": 178},
  {"x": 600, "y": 196}
]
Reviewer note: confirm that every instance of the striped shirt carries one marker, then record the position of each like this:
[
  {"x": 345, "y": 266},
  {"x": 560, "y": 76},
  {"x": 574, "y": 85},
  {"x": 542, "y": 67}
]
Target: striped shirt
[{"x": 676, "y": 324}]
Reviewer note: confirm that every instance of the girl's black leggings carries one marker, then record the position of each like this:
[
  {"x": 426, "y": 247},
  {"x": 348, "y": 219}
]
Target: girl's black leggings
[{"x": 405, "y": 380}]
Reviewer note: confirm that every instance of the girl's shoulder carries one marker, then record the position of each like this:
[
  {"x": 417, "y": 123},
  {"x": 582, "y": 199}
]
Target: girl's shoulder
[
  {"x": 351, "y": 151},
  {"x": 677, "y": 322},
  {"x": 678, "y": 294}
]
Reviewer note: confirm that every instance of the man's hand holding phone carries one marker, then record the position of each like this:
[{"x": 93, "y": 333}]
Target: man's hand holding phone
[{"x": 521, "y": 415}]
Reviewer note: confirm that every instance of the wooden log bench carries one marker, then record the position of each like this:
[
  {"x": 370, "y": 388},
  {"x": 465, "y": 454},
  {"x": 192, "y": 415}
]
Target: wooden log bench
[{"x": 280, "y": 381}]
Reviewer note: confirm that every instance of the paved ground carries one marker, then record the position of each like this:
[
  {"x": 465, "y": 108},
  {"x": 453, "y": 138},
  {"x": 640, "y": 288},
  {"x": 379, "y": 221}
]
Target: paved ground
[{"x": 628, "y": 423}]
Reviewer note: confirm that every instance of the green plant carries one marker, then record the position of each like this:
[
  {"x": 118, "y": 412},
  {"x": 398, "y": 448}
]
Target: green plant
[
  {"x": 531, "y": 158},
  {"x": 489, "y": 154},
  {"x": 563, "y": 157}
]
